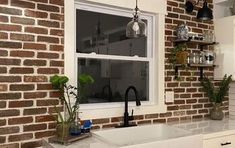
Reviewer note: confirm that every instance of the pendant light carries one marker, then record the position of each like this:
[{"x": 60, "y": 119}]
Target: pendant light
[
  {"x": 136, "y": 27},
  {"x": 205, "y": 13}
]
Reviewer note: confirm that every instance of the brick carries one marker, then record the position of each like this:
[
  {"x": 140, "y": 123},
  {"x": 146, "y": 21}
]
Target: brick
[
  {"x": 56, "y": 47},
  {"x": 36, "y": 30},
  {"x": 18, "y": 70},
  {"x": 14, "y": 145},
  {"x": 57, "y": 32},
  {"x": 149, "y": 116},
  {"x": 3, "y": 53},
  {"x": 11, "y": 11},
  {"x": 111, "y": 125},
  {"x": 34, "y": 46},
  {"x": 9, "y": 27},
  {"x": 41, "y": 1},
  {"x": 20, "y": 120},
  {"x": 48, "y": 39},
  {"x": 10, "y": 79},
  {"x": 57, "y": 63},
  {"x": 168, "y": 114},
  {"x": 34, "y": 95},
  {"x": 58, "y": 17},
  {"x": 45, "y": 118},
  {"x": 175, "y": 119},
  {"x": 21, "y": 37},
  {"x": 35, "y": 62},
  {"x": 31, "y": 144},
  {"x": 23, "y": 4},
  {"x": 101, "y": 121},
  {"x": 19, "y": 104},
  {"x": 44, "y": 134},
  {"x": 3, "y": 87},
  {"x": 46, "y": 23},
  {"x": 170, "y": 108},
  {"x": 48, "y": 71},
  {"x": 3, "y": 35},
  {"x": 3, "y": 18},
  {"x": 9, "y": 112},
  {"x": 48, "y": 55},
  {"x": 159, "y": 121},
  {"x": 49, "y": 8},
  {"x": 57, "y": 2},
  {"x": 35, "y": 14},
  {"x": 55, "y": 94},
  {"x": 191, "y": 112},
  {"x": 35, "y": 79},
  {"x": 3, "y": 104},
  {"x": 2, "y": 139},
  {"x": 44, "y": 87},
  {"x": 34, "y": 111},
  {"x": 173, "y": 15},
  {"x": 5, "y": 2},
  {"x": 24, "y": 21},
  {"x": 9, "y": 130},
  {"x": 6, "y": 44},
  {"x": 21, "y": 137},
  {"x": 17, "y": 53},
  {"x": 3, "y": 70},
  {"x": 48, "y": 102},
  {"x": 21, "y": 87},
  {"x": 10, "y": 96},
  {"x": 35, "y": 127}
]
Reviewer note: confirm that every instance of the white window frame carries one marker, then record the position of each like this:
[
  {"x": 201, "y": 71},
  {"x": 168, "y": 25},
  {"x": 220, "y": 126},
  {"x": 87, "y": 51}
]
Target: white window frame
[{"x": 156, "y": 62}]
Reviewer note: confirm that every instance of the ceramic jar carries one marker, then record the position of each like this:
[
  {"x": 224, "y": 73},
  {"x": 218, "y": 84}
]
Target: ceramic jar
[{"x": 182, "y": 32}]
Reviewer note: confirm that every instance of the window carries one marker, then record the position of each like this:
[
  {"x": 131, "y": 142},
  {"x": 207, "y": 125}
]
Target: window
[
  {"x": 113, "y": 60},
  {"x": 102, "y": 54}
]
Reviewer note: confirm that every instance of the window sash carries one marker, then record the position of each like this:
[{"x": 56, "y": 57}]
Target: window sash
[{"x": 149, "y": 58}]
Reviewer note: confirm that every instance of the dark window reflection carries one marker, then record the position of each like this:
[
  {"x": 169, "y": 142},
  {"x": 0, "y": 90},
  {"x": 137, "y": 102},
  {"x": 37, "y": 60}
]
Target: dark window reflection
[
  {"x": 106, "y": 34},
  {"x": 112, "y": 78}
]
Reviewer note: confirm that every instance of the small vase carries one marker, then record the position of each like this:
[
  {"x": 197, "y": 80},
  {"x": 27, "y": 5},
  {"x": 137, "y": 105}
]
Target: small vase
[
  {"x": 62, "y": 131},
  {"x": 217, "y": 112}
]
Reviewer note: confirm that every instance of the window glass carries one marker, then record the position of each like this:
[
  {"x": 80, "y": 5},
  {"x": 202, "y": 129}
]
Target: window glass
[
  {"x": 102, "y": 33},
  {"x": 112, "y": 78}
]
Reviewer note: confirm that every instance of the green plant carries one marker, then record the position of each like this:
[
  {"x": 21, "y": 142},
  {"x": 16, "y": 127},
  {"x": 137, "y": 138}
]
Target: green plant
[
  {"x": 178, "y": 48},
  {"x": 216, "y": 95},
  {"x": 59, "y": 83},
  {"x": 67, "y": 92}
]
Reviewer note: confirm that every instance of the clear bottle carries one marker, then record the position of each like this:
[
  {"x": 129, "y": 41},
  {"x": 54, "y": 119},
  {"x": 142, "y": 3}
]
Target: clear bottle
[{"x": 75, "y": 128}]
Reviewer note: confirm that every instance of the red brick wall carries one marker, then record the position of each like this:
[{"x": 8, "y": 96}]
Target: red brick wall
[{"x": 31, "y": 50}]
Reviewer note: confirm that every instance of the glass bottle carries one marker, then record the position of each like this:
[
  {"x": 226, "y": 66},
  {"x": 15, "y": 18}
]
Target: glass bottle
[{"x": 75, "y": 128}]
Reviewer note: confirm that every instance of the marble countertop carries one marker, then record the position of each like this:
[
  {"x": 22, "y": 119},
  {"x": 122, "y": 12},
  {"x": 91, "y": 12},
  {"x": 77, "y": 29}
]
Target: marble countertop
[{"x": 208, "y": 128}]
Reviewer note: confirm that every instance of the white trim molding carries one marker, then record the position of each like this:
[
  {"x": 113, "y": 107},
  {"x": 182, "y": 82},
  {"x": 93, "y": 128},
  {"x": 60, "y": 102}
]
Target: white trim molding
[{"x": 158, "y": 9}]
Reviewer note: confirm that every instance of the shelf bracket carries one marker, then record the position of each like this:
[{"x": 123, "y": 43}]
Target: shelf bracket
[
  {"x": 201, "y": 73},
  {"x": 176, "y": 72}
]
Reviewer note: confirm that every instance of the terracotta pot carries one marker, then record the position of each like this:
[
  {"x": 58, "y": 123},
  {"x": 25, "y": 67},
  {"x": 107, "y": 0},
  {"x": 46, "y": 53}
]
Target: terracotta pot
[
  {"x": 181, "y": 57},
  {"x": 62, "y": 131},
  {"x": 217, "y": 112}
]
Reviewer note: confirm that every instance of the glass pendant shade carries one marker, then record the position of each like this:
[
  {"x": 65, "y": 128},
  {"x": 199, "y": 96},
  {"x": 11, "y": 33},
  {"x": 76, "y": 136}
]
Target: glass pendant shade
[
  {"x": 136, "y": 27},
  {"x": 205, "y": 13}
]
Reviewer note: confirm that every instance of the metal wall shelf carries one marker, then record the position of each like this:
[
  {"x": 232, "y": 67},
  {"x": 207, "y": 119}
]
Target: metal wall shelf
[{"x": 200, "y": 66}]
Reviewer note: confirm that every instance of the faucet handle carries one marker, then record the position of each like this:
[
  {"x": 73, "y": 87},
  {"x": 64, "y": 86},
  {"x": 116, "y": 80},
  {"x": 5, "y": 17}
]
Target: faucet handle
[{"x": 131, "y": 117}]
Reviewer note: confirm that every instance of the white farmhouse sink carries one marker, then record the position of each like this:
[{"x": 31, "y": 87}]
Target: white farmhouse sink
[{"x": 149, "y": 135}]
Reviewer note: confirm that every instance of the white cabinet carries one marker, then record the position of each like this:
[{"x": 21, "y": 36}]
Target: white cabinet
[
  {"x": 220, "y": 142},
  {"x": 225, "y": 50}
]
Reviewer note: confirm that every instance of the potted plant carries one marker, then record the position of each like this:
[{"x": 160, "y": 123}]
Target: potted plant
[
  {"x": 216, "y": 95},
  {"x": 67, "y": 93},
  {"x": 179, "y": 55}
]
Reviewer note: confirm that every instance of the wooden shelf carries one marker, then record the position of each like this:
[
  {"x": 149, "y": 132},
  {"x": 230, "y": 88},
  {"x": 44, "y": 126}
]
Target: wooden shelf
[
  {"x": 199, "y": 42},
  {"x": 196, "y": 65},
  {"x": 201, "y": 66}
]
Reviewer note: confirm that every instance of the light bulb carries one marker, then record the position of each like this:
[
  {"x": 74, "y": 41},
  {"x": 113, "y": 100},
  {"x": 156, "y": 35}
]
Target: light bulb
[{"x": 136, "y": 26}]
